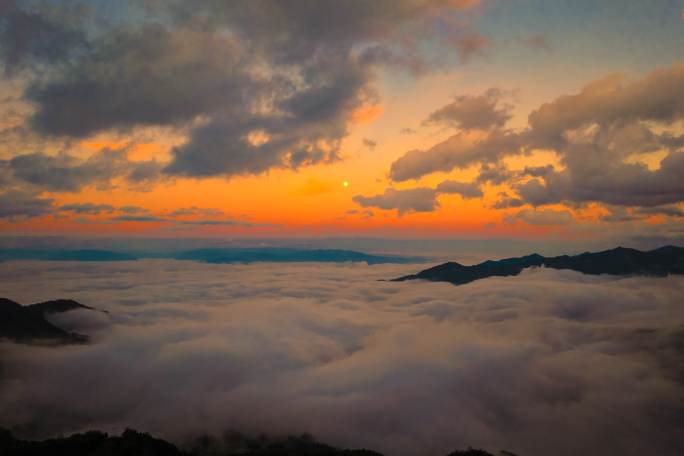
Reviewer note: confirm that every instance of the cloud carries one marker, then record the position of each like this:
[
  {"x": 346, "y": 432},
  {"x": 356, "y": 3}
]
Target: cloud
[
  {"x": 66, "y": 173},
  {"x": 87, "y": 208},
  {"x": 473, "y": 112},
  {"x": 216, "y": 222},
  {"x": 22, "y": 204},
  {"x": 422, "y": 199},
  {"x": 370, "y": 143},
  {"x": 31, "y": 35},
  {"x": 506, "y": 201},
  {"x": 139, "y": 218},
  {"x": 610, "y": 101},
  {"x": 179, "y": 223},
  {"x": 458, "y": 151},
  {"x": 132, "y": 209},
  {"x": 623, "y": 214},
  {"x": 194, "y": 210},
  {"x": 403, "y": 368},
  {"x": 221, "y": 73},
  {"x": 540, "y": 217},
  {"x": 600, "y": 136},
  {"x": 495, "y": 173},
  {"x": 465, "y": 189},
  {"x": 171, "y": 76}
]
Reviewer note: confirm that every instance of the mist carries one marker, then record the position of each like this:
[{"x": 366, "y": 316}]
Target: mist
[{"x": 549, "y": 362}]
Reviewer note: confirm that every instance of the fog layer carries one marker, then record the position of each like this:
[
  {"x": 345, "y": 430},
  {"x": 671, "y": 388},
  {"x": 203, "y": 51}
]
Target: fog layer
[{"x": 549, "y": 362}]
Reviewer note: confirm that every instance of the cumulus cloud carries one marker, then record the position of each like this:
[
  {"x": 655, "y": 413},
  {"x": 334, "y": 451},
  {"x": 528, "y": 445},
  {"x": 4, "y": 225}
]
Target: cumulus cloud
[
  {"x": 473, "y": 112},
  {"x": 600, "y": 136},
  {"x": 405, "y": 368},
  {"x": 458, "y": 151},
  {"x": 223, "y": 74}
]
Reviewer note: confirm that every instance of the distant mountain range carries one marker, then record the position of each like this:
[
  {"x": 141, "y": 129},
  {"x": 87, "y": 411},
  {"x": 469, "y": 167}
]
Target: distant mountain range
[
  {"x": 64, "y": 255},
  {"x": 27, "y": 324},
  {"x": 619, "y": 261},
  {"x": 211, "y": 255},
  {"x": 288, "y": 255},
  {"x": 133, "y": 443}
]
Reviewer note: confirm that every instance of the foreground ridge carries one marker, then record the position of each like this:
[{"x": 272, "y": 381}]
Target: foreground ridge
[
  {"x": 28, "y": 324},
  {"x": 618, "y": 261},
  {"x": 134, "y": 443}
]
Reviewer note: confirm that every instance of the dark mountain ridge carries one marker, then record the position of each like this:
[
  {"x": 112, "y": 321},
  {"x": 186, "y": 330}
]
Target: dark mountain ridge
[
  {"x": 133, "y": 443},
  {"x": 27, "y": 324},
  {"x": 618, "y": 261}
]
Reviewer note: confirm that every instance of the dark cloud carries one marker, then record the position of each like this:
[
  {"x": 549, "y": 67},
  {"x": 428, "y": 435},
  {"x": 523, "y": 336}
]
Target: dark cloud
[
  {"x": 473, "y": 112},
  {"x": 623, "y": 214},
  {"x": 132, "y": 209},
  {"x": 34, "y": 33},
  {"x": 404, "y": 368},
  {"x": 138, "y": 218},
  {"x": 87, "y": 208},
  {"x": 179, "y": 223},
  {"x": 255, "y": 87},
  {"x": 506, "y": 201},
  {"x": 201, "y": 222},
  {"x": 626, "y": 184},
  {"x": 66, "y": 173},
  {"x": 308, "y": 128},
  {"x": 465, "y": 189},
  {"x": 422, "y": 199},
  {"x": 22, "y": 204},
  {"x": 494, "y": 173},
  {"x": 194, "y": 210},
  {"x": 146, "y": 76}
]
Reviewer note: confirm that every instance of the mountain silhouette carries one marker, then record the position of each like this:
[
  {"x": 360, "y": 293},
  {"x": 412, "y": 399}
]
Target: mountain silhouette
[
  {"x": 27, "y": 324},
  {"x": 133, "y": 443},
  {"x": 618, "y": 261}
]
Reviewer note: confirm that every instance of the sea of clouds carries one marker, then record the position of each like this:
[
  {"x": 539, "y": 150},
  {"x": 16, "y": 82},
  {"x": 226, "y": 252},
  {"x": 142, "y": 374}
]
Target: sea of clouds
[{"x": 546, "y": 363}]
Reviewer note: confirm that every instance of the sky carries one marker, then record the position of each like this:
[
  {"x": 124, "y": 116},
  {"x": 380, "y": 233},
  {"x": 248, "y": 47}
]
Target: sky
[{"x": 543, "y": 120}]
